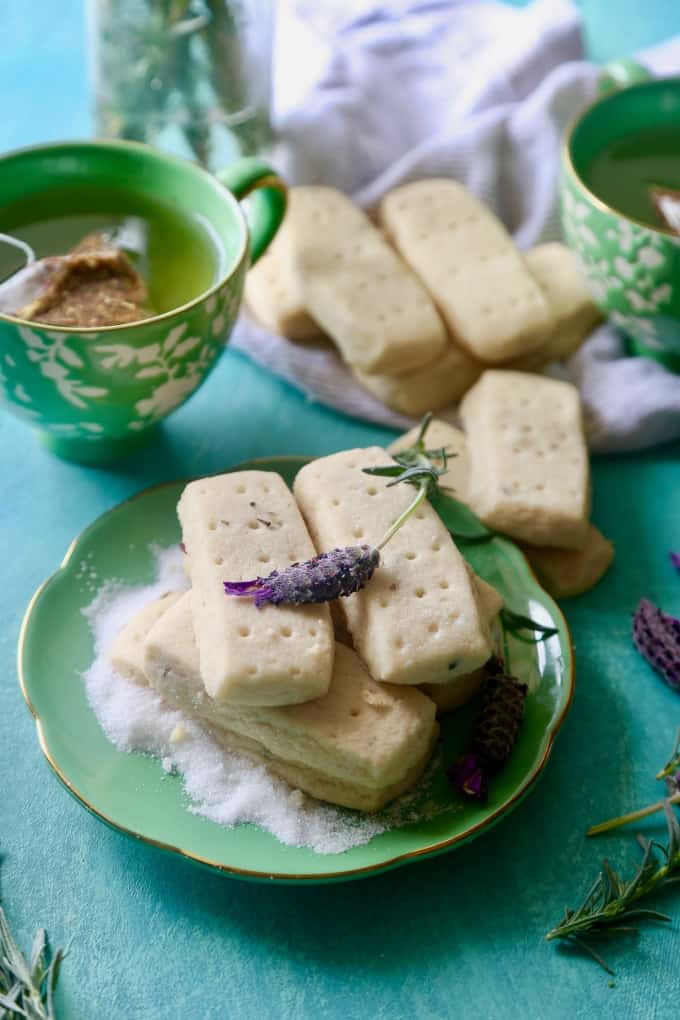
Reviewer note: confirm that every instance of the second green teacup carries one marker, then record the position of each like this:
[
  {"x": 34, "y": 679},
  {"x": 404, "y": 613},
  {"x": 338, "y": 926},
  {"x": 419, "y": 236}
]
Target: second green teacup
[
  {"x": 615, "y": 152},
  {"x": 92, "y": 393}
]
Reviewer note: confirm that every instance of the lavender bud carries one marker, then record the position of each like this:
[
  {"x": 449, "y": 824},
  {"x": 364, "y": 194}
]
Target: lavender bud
[
  {"x": 468, "y": 776},
  {"x": 656, "y": 635},
  {"x": 675, "y": 559},
  {"x": 328, "y": 576}
]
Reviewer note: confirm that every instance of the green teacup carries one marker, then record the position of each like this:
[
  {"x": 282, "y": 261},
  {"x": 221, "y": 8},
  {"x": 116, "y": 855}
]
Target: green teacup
[
  {"x": 93, "y": 393},
  {"x": 613, "y": 153}
]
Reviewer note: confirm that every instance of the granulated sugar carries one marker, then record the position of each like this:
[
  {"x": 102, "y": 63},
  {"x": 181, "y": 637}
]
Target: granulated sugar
[{"x": 223, "y": 786}]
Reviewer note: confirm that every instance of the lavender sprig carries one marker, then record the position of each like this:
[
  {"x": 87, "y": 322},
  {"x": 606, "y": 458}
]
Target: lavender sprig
[
  {"x": 656, "y": 635},
  {"x": 494, "y": 733},
  {"x": 328, "y": 576},
  {"x": 671, "y": 774}
]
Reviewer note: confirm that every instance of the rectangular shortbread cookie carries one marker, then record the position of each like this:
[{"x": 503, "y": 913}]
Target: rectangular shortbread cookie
[
  {"x": 417, "y": 621},
  {"x": 357, "y": 288},
  {"x": 127, "y": 651},
  {"x": 236, "y": 527},
  {"x": 273, "y": 292},
  {"x": 448, "y": 697},
  {"x": 360, "y": 745},
  {"x": 556, "y": 270},
  {"x": 433, "y": 387},
  {"x": 441, "y": 434},
  {"x": 569, "y": 572},
  {"x": 529, "y": 475},
  {"x": 469, "y": 264}
]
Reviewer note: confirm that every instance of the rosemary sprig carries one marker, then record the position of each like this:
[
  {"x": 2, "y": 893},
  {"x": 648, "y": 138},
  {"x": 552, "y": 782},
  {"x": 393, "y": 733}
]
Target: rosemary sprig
[
  {"x": 611, "y": 905},
  {"x": 27, "y": 986},
  {"x": 415, "y": 466}
]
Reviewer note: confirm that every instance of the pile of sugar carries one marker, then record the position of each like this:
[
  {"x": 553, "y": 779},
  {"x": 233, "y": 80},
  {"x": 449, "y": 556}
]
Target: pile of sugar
[{"x": 223, "y": 786}]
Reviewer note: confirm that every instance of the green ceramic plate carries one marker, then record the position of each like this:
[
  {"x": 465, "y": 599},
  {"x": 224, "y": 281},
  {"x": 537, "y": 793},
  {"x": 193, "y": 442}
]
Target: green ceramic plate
[{"x": 132, "y": 793}]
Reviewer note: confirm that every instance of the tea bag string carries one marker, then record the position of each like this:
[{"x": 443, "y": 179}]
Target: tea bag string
[{"x": 16, "y": 242}]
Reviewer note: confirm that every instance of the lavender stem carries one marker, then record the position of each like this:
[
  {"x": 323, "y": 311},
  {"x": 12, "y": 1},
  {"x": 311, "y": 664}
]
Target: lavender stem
[{"x": 632, "y": 816}]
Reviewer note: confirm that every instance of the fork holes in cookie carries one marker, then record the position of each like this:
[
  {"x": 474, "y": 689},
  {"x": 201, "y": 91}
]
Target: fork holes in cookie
[
  {"x": 419, "y": 593},
  {"x": 286, "y": 632},
  {"x": 244, "y": 631},
  {"x": 410, "y": 555},
  {"x": 443, "y": 585}
]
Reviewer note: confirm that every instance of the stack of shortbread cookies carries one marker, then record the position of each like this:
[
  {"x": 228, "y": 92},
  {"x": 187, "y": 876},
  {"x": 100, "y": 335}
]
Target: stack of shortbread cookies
[
  {"x": 421, "y": 303},
  {"x": 350, "y": 723}
]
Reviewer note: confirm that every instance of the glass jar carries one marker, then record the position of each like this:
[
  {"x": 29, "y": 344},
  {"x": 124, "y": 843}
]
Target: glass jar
[{"x": 189, "y": 76}]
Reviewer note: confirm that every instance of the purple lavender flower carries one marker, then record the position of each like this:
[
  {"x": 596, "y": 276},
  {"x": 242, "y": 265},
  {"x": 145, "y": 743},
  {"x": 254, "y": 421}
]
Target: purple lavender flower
[
  {"x": 675, "y": 559},
  {"x": 468, "y": 776},
  {"x": 656, "y": 635},
  {"x": 328, "y": 576}
]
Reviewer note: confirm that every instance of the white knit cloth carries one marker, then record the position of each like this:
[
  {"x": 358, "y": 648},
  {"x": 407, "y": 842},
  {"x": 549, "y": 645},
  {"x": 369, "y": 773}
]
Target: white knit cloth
[{"x": 370, "y": 95}]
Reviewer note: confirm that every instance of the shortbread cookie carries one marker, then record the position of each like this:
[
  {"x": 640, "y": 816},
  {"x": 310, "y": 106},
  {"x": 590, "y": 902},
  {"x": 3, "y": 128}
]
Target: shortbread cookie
[
  {"x": 127, "y": 652},
  {"x": 448, "y": 697},
  {"x": 236, "y": 527},
  {"x": 529, "y": 475},
  {"x": 556, "y": 270},
  {"x": 469, "y": 264},
  {"x": 357, "y": 288},
  {"x": 417, "y": 621},
  {"x": 273, "y": 292},
  {"x": 360, "y": 745},
  {"x": 569, "y": 572},
  {"x": 436, "y": 385},
  {"x": 441, "y": 434}
]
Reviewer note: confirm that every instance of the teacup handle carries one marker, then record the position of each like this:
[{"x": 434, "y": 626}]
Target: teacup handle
[
  {"x": 619, "y": 74},
  {"x": 251, "y": 177}
]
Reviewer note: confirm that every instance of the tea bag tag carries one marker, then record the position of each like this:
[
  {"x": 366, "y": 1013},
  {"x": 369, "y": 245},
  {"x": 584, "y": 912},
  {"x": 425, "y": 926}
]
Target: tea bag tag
[{"x": 667, "y": 203}]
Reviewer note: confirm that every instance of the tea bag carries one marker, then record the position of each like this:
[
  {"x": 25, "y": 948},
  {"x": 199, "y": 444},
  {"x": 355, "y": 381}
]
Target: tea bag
[{"x": 95, "y": 284}]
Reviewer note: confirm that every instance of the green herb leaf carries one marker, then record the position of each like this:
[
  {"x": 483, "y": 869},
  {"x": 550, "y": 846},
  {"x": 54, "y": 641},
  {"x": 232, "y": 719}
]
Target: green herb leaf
[
  {"x": 27, "y": 989},
  {"x": 462, "y": 524},
  {"x": 515, "y": 623}
]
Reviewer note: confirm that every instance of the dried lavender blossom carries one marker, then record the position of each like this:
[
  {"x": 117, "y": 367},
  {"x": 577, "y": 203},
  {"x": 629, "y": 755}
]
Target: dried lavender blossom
[
  {"x": 494, "y": 733},
  {"x": 656, "y": 635},
  {"x": 675, "y": 559},
  {"x": 328, "y": 576},
  {"x": 498, "y": 724}
]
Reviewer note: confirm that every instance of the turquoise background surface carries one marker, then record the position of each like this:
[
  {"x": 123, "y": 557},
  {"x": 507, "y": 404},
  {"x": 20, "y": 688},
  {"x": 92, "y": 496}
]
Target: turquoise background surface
[{"x": 461, "y": 936}]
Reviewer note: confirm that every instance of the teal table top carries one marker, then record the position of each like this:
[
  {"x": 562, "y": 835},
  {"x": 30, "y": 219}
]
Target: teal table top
[{"x": 460, "y": 936}]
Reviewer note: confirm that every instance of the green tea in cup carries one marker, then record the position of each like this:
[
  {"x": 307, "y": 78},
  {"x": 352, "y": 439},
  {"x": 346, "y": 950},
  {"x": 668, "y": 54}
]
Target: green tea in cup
[
  {"x": 177, "y": 254},
  {"x": 626, "y": 173}
]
